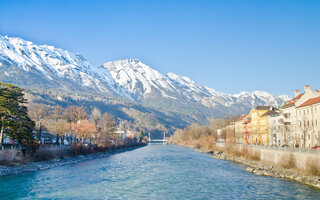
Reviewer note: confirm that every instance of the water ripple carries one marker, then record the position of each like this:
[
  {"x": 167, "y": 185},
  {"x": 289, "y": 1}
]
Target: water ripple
[{"x": 152, "y": 172}]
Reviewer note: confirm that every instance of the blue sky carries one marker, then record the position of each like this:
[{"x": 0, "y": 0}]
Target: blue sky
[{"x": 229, "y": 46}]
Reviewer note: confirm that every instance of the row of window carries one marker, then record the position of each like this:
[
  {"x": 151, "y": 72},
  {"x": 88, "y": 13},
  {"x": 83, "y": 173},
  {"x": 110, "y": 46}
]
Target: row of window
[
  {"x": 307, "y": 123},
  {"x": 306, "y": 111}
]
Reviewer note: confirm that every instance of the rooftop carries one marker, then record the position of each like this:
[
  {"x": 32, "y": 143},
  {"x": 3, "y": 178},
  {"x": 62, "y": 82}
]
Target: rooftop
[{"x": 310, "y": 102}]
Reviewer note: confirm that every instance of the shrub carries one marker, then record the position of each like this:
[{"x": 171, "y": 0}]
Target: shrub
[
  {"x": 252, "y": 154},
  {"x": 244, "y": 152},
  {"x": 100, "y": 148},
  {"x": 232, "y": 150},
  {"x": 288, "y": 161},
  {"x": 312, "y": 166},
  {"x": 43, "y": 155},
  {"x": 207, "y": 142}
]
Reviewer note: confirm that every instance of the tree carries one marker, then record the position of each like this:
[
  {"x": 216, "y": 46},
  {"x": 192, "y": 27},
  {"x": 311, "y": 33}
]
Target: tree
[
  {"x": 57, "y": 113},
  {"x": 96, "y": 116},
  {"x": 73, "y": 114},
  {"x": 38, "y": 112},
  {"x": 107, "y": 127},
  {"x": 15, "y": 121},
  {"x": 85, "y": 130},
  {"x": 59, "y": 127},
  {"x": 304, "y": 127}
]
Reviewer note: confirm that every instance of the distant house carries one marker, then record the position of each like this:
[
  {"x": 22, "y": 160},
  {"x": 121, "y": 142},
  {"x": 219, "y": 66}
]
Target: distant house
[
  {"x": 238, "y": 128},
  {"x": 246, "y": 129},
  {"x": 260, "y": 125},
  {"x": 122, "y": 134}
]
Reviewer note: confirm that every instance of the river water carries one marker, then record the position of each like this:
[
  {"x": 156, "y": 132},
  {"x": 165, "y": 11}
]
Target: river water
[{"x": 153, "y": 172}]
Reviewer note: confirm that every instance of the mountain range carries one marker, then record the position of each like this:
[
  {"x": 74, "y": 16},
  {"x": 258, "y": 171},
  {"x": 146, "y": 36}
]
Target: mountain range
[{"x": 128, "y": 88}]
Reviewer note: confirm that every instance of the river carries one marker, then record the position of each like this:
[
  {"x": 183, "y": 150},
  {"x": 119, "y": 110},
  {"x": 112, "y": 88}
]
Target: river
[{"x": 153, "y": 172}]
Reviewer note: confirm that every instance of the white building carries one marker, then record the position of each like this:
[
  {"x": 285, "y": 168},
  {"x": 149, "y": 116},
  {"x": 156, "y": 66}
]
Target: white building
[
  {"x": 291, "y": 130},
  {"x": 276, "y": 136},
  {"x": 298, "y": 118},
  {"x": 308, "y": 116}
]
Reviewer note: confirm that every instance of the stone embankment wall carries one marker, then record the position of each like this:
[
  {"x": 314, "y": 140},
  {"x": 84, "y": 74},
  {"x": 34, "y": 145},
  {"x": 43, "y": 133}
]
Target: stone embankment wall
[
  {"x": 10, "y": 155},
  {"x": 276, "y": 154}
]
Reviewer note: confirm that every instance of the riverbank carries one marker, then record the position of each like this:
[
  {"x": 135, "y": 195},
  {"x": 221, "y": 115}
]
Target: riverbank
[
  {"x": 268, "y": 169},
  {"x": 259, "y": 167},
  {"x": 38, "y": 166}
]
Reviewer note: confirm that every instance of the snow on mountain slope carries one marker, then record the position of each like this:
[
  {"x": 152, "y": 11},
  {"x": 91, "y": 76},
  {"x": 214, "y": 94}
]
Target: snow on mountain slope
[
  {"x": 143, "y": 82},
  {"x": 54, "y": 63},
  {"x": 212, "y": 98},
  {"x": 129, "y": 79},
  {"x": 138, "y": 78}
]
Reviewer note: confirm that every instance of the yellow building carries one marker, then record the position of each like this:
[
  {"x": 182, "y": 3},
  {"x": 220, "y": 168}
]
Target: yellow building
[{"x": 259, "y": 133}]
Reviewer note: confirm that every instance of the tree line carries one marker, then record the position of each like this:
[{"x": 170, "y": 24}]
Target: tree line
[{"x": 26, "y": 123}]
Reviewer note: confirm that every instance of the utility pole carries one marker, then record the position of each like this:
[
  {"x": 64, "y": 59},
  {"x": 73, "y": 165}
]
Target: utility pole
[{"x": 164, "y": 136}]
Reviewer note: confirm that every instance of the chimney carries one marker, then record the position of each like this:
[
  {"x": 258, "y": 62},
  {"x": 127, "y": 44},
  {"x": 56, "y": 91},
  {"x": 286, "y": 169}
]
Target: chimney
[
  {"x": 307, "y": 89},
  {"x": 296, "y": 93},
  {"x": 317, "y": 93}
]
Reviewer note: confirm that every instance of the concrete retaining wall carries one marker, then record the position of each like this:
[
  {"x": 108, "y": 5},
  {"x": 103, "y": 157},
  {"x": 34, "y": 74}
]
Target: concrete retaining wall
[{"x": 275, "y": 156}]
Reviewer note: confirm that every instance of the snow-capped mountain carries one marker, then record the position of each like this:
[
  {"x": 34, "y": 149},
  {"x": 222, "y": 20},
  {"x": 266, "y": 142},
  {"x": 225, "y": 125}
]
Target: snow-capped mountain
[
  {"x": 146, "y": 83},
  {"x": 46, "y": 67},
  {"x": 139, "y": 79},
  {"x": 53, "y": 64}
]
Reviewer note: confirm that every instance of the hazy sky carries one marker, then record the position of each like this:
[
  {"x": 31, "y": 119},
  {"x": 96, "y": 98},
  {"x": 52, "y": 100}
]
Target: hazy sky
[{"x": 229, "y": 46}]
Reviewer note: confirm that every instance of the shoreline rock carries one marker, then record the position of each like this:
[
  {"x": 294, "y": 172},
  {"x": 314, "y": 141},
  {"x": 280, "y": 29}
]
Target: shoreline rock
[{"x": 267, "y": 169}]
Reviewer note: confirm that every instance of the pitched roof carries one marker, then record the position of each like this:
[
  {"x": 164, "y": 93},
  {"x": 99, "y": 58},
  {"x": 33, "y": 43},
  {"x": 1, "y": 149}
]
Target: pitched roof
[
  {"x": 270, "y": 112},
  {"x": 243, "y": 116},
  {"x": 292, "y": 101},
  {"x": 263, "y": 107},
  {"x": 247, "y": 121},
  {"x": 310, "y": 102}
]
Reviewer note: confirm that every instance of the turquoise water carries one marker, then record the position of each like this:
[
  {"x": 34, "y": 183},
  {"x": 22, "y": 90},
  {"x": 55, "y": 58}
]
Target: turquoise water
[{"x": 153, "y": 172}]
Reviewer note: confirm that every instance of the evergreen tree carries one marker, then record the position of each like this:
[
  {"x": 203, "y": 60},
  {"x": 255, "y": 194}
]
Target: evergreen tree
[{"x": 15, "y": 121}]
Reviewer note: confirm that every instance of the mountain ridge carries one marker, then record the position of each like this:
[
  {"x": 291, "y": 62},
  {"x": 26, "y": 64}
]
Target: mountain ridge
[{"x": 42, "y": 66}]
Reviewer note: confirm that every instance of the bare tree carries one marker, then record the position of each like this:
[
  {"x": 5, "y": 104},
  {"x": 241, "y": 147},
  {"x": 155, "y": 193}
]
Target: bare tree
[
  {"x": 74, "y": 114},
  {"x": 58, "y": 127},
  {"x": 107, "y": 127},
  {"x": 85, "y": 130},
  {"x": 57, "y": 113},
  {"x": 38, "y": 113}
]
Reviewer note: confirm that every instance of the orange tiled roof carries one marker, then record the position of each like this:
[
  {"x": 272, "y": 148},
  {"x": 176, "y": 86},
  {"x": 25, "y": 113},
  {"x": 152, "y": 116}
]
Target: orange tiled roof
[
  {"x": 292, "y": 101},
  {"x": 247, "y": 121},
  {"x": 310, "y": 102},
  {"x": 241, "y": 118}
]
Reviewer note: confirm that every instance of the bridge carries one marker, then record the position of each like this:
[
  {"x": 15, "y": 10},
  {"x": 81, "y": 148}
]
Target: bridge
[{"x": 164, "y": 140}]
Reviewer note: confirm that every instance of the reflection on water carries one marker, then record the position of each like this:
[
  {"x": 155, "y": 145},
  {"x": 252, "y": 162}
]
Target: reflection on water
[{"x": 153, "y": 172}]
